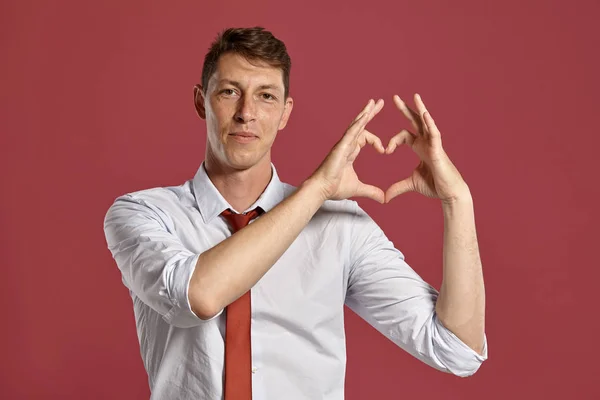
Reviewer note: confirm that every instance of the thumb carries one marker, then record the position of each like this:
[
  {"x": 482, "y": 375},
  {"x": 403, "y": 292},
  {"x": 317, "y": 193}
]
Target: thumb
[
  {"x": 398, "y": 188},
  {"x": 370, "y": 191}
]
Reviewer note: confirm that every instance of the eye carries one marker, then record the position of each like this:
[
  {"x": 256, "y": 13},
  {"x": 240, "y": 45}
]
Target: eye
[
  {"x": 228, "y": 92},
  {"x": 268, "y": 96}
]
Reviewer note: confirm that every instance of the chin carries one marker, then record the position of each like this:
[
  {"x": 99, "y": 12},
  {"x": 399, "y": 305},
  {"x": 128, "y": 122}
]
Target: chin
[
  {"x": 233, "y": 157},
  {"x": 243, "y": 161}
]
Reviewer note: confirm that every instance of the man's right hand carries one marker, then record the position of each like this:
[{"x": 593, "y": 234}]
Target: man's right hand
[{"x": 336, "y": 176}]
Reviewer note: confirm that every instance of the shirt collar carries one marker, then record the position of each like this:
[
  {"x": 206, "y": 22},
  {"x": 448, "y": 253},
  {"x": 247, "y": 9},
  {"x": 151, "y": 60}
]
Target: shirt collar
[{"x": 211, "y": 203}]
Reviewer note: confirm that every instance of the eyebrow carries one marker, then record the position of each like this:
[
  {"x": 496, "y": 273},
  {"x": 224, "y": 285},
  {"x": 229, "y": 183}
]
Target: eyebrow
[{"x": 238, "y": 85}]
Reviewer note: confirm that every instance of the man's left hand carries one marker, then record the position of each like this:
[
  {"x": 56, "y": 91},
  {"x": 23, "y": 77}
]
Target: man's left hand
[{"x": 435, "y": 176}]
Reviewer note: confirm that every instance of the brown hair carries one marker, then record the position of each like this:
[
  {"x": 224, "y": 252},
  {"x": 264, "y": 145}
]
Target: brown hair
[{"x": 254, "y": 44}]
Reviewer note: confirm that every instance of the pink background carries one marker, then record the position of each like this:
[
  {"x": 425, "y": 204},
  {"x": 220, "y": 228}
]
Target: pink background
[{"x": 96, "y": 101}]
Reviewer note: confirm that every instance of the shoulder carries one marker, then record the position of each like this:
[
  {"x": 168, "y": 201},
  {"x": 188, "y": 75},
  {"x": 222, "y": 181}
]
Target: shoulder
[
  {"x": 156, "y": 202},
  {"x": 160, "y": 194}
]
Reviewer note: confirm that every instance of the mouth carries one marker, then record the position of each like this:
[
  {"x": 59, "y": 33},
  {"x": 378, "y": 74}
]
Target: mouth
[
  {"x": 243, "y": 134},
  {"x": 243, "y": 137}
]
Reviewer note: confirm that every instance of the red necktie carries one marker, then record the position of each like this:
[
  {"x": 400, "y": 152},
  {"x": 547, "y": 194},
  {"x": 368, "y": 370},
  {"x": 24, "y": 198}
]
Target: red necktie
[{"x": 238, "y": 354}]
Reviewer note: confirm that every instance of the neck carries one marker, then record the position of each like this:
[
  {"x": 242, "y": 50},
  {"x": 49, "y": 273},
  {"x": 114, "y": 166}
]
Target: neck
[{"x": 241, "y": 188}]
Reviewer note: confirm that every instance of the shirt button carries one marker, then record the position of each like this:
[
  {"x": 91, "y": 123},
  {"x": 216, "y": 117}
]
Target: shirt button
[{"x": 254, "y": 370}]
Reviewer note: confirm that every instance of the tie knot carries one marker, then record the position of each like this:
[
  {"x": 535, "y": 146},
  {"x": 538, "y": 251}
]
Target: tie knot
[{"x": 238, "y": 221}]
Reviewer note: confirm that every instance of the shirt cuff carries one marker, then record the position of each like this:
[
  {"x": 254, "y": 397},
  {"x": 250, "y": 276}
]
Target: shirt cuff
[
  {"x": 455, "y": 355},
  {"x": 181, "y": 314}
]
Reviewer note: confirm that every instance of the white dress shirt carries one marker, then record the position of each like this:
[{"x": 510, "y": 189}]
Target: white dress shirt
[{"x": 341, "y": 257}]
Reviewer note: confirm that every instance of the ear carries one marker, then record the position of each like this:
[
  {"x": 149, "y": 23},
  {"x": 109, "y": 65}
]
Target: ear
[
  {"x": 199, "y": 101},
  {"x": 289, "y": 104}
]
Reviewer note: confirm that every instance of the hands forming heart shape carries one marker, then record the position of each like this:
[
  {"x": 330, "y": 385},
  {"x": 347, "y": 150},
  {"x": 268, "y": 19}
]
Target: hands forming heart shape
[{"x": 434, "y": 177}]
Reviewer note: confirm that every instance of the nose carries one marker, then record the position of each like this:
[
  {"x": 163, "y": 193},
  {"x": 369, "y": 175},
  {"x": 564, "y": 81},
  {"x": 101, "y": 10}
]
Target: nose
[{"x": 246, "y": 111}]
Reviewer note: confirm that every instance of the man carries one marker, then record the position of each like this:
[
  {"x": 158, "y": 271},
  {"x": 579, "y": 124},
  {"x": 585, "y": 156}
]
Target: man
[{"x": 255, "y": 309}]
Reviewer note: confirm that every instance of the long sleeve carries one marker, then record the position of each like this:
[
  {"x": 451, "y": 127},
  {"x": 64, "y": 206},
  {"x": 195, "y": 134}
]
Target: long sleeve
[
  {"x": 154, "y": 264},
  {"x": 386, "y": 292}
]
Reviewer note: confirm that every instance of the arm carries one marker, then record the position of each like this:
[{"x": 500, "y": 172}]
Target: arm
[
  {"x": 386, "y": 292},
  {"x": 228, "y": 270},
  {"x": 154, "y": 264},
  {"x": 157, "y": 267},
  {"x": 183, "y": 286},
  {"x": 461, "y": 305}
]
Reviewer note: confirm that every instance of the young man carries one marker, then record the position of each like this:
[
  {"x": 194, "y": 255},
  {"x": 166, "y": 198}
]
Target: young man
[{"x": 239, "y": 281}]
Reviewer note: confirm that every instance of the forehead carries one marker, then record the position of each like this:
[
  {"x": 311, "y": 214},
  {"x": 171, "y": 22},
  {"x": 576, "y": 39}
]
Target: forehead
[{"x": 233, "y": 67}]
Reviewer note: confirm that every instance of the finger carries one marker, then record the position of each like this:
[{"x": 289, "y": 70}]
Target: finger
[
  {"x": 405, "y": 136},
  {"x": 362, "y": 112},
  {"x": 421, "y": 107},
  {"x": 362, "y": 115},
  {"x": 370, "y": 191},
  {"x": 357, "y": 128},
  {"x": 431, "y": 124},
  {"x": 408, "y": 112},
  {"x": 373, "y": 140},
  {"x": 351, "y": 132},
  {"x": 371, "y": 113},
  {"x": 398, "y": 188},
  {"x": 433, "y": 130},
  {"x": 376, "y": 109},
  {"x": 412, "y": 116}
]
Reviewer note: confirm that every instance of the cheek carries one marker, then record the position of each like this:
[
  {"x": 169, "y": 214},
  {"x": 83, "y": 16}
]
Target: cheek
[
  {"x": 212, "y": 123},
  {"x": 219, "y": 118},
  {"x": 271, "y": 119}
]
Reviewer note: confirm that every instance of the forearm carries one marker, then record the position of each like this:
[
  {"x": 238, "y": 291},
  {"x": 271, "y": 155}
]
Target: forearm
[
  {"x": 228, "y": 270},
  {"x": 461, "y": 303}
]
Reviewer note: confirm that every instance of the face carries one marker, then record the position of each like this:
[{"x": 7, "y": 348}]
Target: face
[{"x": 244, "y": 108}]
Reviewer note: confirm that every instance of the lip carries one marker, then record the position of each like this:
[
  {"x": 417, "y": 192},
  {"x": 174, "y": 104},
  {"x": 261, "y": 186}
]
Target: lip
[
  {"x": 243, "y": 137},
  {"x": 243, "y": 134}
]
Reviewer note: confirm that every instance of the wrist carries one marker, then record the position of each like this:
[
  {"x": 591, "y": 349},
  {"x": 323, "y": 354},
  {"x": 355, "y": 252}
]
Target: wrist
[
  {"x": 460, "y": 205},
  {"x": 313, "y": 186},
  {"x": 462, "y": 197}
]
